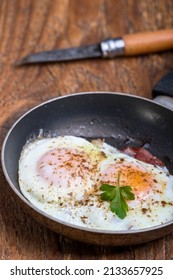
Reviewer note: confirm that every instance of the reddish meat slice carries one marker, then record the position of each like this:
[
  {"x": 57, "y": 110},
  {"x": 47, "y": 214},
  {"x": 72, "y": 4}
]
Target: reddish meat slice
[{"x": 143, "y": 155}]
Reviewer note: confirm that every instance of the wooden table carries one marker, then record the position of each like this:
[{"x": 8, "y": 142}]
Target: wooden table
[{"x": 30, "y": 26}]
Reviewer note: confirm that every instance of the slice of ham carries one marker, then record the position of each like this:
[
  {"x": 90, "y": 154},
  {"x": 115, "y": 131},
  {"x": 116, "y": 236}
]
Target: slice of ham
[{"x": 143, "y": 155}]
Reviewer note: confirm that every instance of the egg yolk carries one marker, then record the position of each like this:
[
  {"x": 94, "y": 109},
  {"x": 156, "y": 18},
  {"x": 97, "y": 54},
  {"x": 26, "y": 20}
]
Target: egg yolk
[
  {"x": 130, "y": 175},
  {"x": 63, "y": 166}
]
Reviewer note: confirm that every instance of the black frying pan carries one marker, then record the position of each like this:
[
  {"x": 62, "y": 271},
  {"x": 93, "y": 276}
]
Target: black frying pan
[{"x": 121, "y": 119}]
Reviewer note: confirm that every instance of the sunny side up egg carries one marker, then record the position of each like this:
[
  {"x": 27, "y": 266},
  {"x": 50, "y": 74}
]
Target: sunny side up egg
[{"x": 62, "y": 175}]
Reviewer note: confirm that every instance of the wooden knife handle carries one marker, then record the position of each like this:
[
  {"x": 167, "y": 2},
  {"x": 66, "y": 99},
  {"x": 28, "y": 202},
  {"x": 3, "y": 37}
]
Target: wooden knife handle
[{"x": 148, "y": 42}]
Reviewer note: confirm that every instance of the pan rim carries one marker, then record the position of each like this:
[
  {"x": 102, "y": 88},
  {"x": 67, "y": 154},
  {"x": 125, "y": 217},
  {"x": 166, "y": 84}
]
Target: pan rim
[
  {"x": 67, "y": 224},
  {"x": 131, "y": 95}
]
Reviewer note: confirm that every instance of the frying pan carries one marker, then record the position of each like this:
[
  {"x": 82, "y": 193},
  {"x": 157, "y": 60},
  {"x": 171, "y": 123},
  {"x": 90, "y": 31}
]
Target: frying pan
[{"x": 121, "y": 119}]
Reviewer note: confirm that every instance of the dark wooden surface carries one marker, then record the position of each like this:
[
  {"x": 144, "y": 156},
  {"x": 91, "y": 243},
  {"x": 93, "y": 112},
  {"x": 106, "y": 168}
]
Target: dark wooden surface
[{"x": 30, "y": 26}]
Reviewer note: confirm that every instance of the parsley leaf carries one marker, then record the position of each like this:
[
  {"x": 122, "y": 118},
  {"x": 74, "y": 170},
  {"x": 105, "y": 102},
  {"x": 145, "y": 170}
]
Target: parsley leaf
[{"x": 117, "y": 195}]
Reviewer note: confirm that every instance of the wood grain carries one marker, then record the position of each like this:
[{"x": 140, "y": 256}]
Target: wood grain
[{"x": 30, "y": 26}]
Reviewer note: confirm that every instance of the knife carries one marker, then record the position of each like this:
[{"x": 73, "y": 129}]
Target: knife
[{"x": 127, "y": 45}]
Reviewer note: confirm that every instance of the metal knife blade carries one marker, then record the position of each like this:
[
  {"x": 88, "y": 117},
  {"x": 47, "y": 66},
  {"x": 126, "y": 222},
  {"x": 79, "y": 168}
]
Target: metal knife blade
[{"x": 83, "y": 52}]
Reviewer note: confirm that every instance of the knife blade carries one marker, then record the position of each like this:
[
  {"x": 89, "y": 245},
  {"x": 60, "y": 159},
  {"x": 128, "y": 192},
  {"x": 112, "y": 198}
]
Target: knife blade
[
  {"x": 90, "y": 51},
  {"x": 128, "y": 45}
]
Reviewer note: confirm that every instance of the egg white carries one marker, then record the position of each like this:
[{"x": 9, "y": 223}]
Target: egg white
[
  {"x": 79, "y": 202},
  {"x": 56, "y": 199}
]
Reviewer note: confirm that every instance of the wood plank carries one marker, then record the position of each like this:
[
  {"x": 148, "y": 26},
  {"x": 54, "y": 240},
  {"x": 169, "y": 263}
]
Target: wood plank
[{"x": 30, "y": 26}]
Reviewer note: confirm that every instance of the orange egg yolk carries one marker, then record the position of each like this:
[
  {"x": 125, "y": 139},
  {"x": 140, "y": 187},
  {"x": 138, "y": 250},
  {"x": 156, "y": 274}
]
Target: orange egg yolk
[{"x": 130, "y": 175}]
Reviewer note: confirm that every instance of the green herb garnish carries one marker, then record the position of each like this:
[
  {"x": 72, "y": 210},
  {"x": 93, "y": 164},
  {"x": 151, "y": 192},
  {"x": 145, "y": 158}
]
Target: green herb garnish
[{"x": 118, "y": 196}]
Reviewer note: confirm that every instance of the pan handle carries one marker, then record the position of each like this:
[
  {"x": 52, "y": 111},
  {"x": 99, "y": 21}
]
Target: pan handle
[{"x": 163, "y": 91}]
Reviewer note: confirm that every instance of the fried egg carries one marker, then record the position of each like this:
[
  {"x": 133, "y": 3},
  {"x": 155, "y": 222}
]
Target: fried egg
[{"x": 62, "y": 176}]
